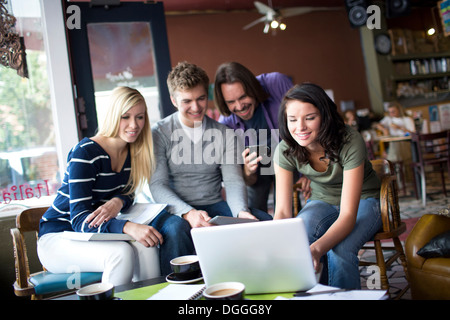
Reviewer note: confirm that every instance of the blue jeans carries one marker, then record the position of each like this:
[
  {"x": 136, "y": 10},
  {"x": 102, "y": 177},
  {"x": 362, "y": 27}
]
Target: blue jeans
[
  {"x": 177, "y": 239},
  {"x": 342, "y": 260},
  {"x": 176, "y": 232},
  {"x": 258, "y": 193},
  {"x": 222, "y": 209}
]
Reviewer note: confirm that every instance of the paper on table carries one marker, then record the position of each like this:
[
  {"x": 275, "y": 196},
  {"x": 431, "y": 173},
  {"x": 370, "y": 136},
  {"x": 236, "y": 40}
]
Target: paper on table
[
  {"x": 179, "y": 292},
  {"x": 342, "y": 295},
  {"x": 347, "y": 295}
]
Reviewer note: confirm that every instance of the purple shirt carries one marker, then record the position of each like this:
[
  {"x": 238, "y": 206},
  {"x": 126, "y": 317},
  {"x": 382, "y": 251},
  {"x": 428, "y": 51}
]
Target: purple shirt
[{"x": 274, "y": 83}]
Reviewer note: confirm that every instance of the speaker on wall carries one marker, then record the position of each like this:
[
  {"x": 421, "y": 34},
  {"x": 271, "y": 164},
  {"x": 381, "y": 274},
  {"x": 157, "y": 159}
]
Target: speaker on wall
[
  {"x": 397, "y": 8},
  {"x": 357, "y": 12}
]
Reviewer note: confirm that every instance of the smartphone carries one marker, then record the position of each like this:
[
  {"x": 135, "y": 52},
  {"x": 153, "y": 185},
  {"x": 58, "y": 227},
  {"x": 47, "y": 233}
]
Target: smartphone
[{"x": 261, "y": 150}]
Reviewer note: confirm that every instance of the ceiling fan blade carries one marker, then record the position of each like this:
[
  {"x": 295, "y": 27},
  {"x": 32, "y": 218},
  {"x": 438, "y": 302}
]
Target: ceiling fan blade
[
  {"x": 251, "y": 24},
  {"x": 295, "y": 11},
  {"x": 263, "y": 9}
]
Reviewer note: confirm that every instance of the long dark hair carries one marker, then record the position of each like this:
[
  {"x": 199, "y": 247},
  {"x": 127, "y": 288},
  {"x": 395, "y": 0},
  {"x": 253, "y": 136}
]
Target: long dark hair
[
  {"x": 332, "y": 127},
  {"x": 231, "y": 72}
]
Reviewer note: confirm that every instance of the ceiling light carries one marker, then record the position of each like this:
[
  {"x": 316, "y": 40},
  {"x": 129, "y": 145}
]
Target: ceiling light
[
  {"x": 282, "y": 26},
  {"x": 431, "y": 31},
  {"x": 266, "y": 28},
  {"x": 274, "y": 24}
]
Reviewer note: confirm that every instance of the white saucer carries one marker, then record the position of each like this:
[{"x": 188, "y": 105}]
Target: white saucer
[{"x": 172, "y": 279}]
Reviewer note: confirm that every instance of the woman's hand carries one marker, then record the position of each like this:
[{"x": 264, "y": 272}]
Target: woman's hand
[
  {"x": 316, "y": 255},
  {"x": 144, "y": 234},
  {"x": 105, "y": 212},
  {"x": 305, "y": 187}
]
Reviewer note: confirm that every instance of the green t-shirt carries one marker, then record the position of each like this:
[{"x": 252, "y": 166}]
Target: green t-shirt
[{"x": 327, "y": 186}]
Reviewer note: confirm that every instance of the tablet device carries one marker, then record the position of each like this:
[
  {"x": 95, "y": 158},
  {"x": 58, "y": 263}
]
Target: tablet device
[{"x": 223, "y": 220}]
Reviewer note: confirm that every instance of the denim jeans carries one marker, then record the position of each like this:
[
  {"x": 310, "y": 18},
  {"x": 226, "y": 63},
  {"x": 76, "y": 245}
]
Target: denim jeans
[
  {"x": 222, "y": 209},
  {"x": 342, "y": 260},
  {"x": 258, "y": 193},
  {"x": 176, "y": 232}
]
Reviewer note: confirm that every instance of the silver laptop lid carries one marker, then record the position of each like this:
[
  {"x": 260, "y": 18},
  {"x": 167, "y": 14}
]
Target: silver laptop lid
[{"x": 267, "y": 256}]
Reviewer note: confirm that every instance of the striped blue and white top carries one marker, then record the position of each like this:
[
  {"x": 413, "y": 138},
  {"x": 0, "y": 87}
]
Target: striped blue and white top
[{"x": 89, "y": 181}]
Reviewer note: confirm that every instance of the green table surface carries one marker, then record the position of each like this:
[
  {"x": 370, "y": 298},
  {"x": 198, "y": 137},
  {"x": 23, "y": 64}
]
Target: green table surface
[{"x": 146, "y": 292}]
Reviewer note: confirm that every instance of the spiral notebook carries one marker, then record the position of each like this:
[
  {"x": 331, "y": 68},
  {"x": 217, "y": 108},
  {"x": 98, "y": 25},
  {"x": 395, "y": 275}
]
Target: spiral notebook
[{"x": 179, "y": 292}]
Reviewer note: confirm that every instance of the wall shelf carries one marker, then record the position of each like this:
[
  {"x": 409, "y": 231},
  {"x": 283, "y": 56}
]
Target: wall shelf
[{"x": 420, "y": 76}]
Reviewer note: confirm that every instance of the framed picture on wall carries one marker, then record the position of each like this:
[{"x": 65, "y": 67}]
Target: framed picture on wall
[
  {"x": 444, "y": 14},
  {"x": 444, "y": 113}
]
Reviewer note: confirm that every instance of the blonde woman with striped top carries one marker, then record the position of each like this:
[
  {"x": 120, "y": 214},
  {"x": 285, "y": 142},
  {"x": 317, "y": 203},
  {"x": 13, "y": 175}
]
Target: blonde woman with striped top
[{"x": 103, "y": 174}]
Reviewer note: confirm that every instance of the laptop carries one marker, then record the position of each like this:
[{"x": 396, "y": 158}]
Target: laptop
[{"x": 266, "y": 256}]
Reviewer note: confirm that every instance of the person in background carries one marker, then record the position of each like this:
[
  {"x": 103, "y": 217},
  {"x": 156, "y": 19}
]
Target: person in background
[
  {"x": 396, "y": 124},
  {"x": 245, "y": 102},
  {"x": 187, "y": 177},
  {"x": 351, "y": 119},
  {"x": 103, "y": 175},
  {"x": 343, "y": 211}
]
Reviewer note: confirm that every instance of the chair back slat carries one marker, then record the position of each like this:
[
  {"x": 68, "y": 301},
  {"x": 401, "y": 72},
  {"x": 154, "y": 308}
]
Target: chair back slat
[
  {"x": 28, "y": 220},
  {"x": 390, "y": 210}
]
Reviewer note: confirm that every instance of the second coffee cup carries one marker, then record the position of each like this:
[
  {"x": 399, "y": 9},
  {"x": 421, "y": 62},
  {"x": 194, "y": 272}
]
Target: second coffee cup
[{"x": 186, "y": 267}]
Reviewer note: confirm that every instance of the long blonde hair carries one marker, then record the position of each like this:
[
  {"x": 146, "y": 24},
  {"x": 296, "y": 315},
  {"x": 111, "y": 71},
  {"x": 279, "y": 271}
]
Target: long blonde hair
[{"x": 121, "y": 100}]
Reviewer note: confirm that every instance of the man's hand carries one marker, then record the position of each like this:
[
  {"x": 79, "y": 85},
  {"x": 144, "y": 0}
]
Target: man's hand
[
  {"x": 197, "y": 218},
  {"x": 251, "y": 161},
  {"x": 246, "y": 215}
]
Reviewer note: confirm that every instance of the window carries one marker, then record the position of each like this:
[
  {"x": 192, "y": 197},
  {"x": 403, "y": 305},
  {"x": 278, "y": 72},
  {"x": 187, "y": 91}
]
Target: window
[{"x": 29, "y": 169}]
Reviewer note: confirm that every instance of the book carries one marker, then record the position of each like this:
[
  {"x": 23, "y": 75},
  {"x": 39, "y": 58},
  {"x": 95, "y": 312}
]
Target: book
[
  {"x": 92, "y": 236},
  {"x": 142, "y": 213}
]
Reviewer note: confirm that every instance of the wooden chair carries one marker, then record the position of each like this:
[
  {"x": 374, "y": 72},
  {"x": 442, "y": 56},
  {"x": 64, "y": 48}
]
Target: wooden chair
[
  {"x": 44, "y": 283},
  {"x": 392, "y": 226},
  {"x": 432, "y": 150}
]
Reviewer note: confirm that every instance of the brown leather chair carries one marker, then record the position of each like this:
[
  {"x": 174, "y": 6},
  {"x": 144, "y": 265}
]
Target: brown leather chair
[{"x": 428, "y": 278}]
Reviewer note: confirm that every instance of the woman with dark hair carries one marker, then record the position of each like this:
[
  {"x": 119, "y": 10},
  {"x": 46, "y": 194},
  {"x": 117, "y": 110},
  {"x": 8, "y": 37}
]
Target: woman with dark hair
[{"x": 343, "y": 211}]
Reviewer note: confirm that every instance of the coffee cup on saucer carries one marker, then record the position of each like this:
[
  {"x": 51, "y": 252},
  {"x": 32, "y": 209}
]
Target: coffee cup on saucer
[
  {"x": 186, "y": 267},
  {"x": 225, "y": 291},
  {"x": 96, "y": 291}
]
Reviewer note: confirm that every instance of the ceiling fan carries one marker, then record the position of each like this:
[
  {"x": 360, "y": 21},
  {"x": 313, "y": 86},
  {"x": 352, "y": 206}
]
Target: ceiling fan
[{"x": 272, "y": 18}]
